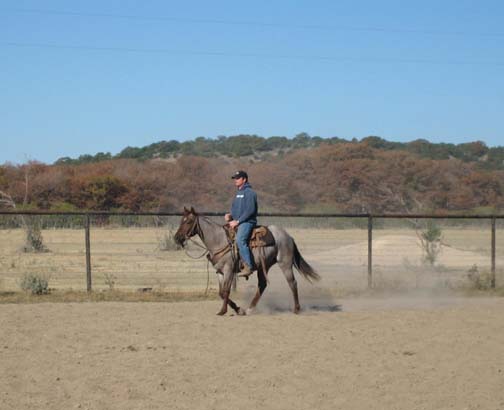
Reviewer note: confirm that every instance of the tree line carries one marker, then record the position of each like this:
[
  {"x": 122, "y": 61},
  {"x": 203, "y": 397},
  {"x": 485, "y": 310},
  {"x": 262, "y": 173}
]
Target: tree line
[
  {"x": 325, "y": 177},
  {"x": 239, "y": 146}
]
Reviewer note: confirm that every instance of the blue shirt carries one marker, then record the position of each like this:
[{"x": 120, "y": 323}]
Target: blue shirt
[{"x": 244, "y": 207}]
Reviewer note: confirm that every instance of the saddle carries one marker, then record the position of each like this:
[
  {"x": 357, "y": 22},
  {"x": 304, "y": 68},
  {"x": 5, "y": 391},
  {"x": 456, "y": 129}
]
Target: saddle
[{"x": 261, "y": 236}]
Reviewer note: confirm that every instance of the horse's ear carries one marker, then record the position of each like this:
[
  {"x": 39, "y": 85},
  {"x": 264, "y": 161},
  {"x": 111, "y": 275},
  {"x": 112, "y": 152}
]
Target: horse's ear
[
  {"x": 193, "y": 211},
  {"x": 186, "y": 211}
]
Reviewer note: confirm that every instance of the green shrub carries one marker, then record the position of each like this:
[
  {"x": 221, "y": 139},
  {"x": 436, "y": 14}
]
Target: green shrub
[
  {"x": 110, "y": 280},
  {"x": 36, "y": 284},
  {"x": 34, "y": 240},
  {"x": 479, "y": 280},
  {"x": 430, "y": 242}
]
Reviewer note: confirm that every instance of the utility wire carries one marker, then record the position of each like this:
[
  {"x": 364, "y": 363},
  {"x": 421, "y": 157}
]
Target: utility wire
[
  {"x": 252, "y": 23},
  {"x": 340, "y": 59}
]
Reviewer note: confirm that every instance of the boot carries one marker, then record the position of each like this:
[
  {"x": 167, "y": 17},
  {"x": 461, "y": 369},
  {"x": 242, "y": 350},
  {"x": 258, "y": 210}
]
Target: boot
[{"x": 246, "y": 271}]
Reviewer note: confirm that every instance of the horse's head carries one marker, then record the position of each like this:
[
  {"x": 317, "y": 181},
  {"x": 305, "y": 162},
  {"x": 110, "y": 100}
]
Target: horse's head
[{"x": 188, "y": 226}]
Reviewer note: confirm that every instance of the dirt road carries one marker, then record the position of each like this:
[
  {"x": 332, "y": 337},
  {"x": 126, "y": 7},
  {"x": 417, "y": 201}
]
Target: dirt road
[{"x": 359, "y": 355}]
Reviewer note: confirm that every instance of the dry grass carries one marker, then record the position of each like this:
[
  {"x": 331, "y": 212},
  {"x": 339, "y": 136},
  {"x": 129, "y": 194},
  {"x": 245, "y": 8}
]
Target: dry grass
[
  {"x": 61, "y": 296},
  {"x": 132, "y": 257}
]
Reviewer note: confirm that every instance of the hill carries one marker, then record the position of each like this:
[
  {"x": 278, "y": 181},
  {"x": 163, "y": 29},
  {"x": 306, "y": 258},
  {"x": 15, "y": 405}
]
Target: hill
[
  {"x": 371, "y": 175},
  {"x": 258, "y": 148}
]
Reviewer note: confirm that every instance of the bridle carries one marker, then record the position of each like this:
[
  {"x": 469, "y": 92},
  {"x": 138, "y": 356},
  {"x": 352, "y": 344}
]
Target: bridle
[{"x": 194, "y": 230}]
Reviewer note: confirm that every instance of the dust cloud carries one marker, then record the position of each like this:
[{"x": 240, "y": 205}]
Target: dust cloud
[{"x": 324, "y": 296}]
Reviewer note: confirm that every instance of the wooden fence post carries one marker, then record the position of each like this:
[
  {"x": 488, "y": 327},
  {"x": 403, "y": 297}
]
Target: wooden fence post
[
  {"x": 370, "y": 252},
  {"x": 88, "y": 254},
  {"x": 493, "y": 253}
]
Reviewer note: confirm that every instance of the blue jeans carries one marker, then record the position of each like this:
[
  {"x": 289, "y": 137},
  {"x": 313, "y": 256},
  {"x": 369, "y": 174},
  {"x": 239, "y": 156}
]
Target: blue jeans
[{"x": 242, "y": 239}]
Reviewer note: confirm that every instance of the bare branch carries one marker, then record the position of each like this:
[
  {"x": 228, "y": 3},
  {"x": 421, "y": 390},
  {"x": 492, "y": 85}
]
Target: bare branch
[{"x": 6, "y": 199}]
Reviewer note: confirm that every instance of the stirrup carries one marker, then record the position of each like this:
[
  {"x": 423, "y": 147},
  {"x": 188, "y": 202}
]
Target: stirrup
[{"x": 245, "y": 273}]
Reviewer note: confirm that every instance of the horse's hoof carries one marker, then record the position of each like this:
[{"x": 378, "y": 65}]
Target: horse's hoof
[
  {"x": 221, "y": 313},
  {"x": 250, "y": 311},
  {"x": 297, "y": 310},
  {"x": 241, "y": 312}
]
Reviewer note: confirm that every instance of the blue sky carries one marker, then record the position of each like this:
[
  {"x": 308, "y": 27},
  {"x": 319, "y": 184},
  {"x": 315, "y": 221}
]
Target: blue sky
[{"x": 84, "y": 77}]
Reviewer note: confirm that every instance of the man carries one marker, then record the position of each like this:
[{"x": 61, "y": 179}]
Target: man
[{"x": 244, "y": 217}]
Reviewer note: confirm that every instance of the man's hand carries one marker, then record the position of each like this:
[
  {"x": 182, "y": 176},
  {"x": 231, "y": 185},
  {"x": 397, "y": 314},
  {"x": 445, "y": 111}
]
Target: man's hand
[
  {"x": 228, "y": 217},
  {"x": 233, "y": 224}
]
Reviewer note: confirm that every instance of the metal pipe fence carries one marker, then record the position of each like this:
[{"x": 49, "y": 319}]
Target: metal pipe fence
[{"x": 370, "y": 222}]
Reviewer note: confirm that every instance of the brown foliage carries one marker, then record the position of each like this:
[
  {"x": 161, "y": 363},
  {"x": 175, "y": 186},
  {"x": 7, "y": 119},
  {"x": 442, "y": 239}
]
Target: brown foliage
[{"x": 341, "y": 177}]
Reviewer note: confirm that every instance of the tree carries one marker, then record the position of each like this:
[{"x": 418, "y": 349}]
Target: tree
[
  {"x": 33, "y": 235},
  {"x": 104, "y": 192}
]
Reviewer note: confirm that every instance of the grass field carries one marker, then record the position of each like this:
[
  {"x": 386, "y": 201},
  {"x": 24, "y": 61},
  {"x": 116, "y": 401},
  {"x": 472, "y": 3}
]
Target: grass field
[{"x": 131, "y": 258}]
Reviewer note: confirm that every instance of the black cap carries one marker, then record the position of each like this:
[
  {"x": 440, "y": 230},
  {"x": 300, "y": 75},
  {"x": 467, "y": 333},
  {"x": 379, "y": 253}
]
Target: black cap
[{"x": 239, "y": 174}]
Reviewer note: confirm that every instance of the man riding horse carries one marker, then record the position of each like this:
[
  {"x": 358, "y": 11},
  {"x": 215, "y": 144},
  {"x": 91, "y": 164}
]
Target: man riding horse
[
  {"x": 281, "y": 250},
  {"x": 243, "y": 217}
]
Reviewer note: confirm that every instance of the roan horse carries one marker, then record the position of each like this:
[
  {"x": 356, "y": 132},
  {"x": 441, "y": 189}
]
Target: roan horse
[{"x": 285, "y": 253}]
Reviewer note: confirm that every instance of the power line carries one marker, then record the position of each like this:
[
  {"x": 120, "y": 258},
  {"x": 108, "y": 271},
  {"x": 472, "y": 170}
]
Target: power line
[
  {"x": 339, "y": 59},
  {"x": 252, "y": 23}
]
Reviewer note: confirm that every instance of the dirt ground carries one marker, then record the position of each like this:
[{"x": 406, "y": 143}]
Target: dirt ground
[{"x": 415, "y": 352}]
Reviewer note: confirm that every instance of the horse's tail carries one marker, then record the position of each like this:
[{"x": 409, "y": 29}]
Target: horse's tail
[{"x": 304, "y": 267}]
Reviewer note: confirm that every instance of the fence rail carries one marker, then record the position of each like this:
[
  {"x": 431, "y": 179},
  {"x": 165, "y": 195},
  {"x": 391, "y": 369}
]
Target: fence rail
[
  {"x": 371, "y": 218},
  {"x": 263, "y": 214}
]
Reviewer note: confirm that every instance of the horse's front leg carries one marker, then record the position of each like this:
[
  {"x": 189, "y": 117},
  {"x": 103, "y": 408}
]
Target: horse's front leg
[
  {"x": 225, "y": 283},
  {"x": 222, "y": 294}
]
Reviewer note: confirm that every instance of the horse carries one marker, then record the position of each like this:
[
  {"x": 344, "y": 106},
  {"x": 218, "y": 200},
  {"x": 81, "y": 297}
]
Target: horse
[{"x": 285, "y": 253}]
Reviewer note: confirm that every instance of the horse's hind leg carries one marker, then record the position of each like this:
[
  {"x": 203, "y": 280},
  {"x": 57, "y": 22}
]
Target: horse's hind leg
[
  {"x": 291, "y": 280},
  {"x": 235, "y": 307},
  {"x": 261, "y": 286}
]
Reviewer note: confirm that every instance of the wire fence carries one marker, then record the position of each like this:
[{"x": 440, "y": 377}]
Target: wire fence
[{"x": 135, "y": 251}]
